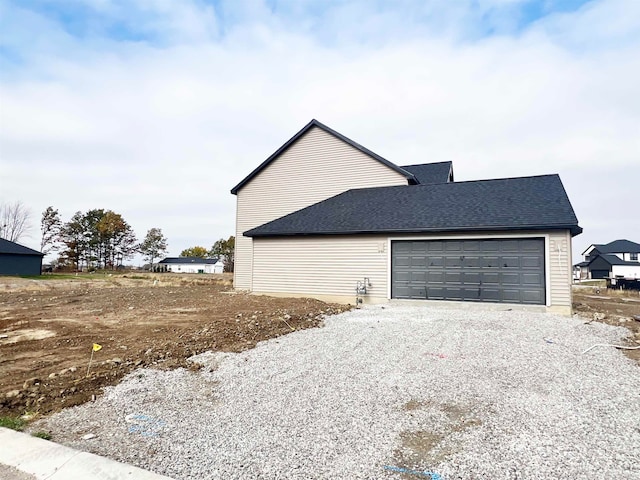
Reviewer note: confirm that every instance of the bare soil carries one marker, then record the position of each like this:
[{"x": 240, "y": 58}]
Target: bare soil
[
  {"x": 48, "y": 328},
  {"x": 614, "y": 307}
]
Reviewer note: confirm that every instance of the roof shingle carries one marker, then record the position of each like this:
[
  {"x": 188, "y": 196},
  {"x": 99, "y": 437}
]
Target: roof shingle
[
  {"x": 502, "y": 204},
  {"x": 430, "y": 173},
  {"x": 14, "y": 248}
]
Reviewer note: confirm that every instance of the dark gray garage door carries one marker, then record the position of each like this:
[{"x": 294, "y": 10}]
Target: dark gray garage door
[{"x": 492, "y": 270}]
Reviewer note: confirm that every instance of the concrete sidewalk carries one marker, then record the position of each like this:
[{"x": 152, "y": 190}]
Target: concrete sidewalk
[{"x": 42, "y": 459}]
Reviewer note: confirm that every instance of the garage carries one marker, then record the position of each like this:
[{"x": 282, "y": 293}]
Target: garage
[{"x": 482, "y": 270}]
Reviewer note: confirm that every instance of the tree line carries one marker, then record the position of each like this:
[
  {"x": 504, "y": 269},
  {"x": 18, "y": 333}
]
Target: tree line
[{"x": 98, "y": 238}]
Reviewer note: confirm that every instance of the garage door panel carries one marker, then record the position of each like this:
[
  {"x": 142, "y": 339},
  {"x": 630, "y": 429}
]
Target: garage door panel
[
  {"x": 531, "y": 279},
  {"x": 471, "y": 294},
  {"x": 418, "y": 277},
  {"x": 435, "y": 277},
  {"x": 418, "y": 261},
  {"x": 453, "y": 278},
  {"x": 453, "y": 262},
  {"x": 453, "y": 293},
  {"x": 435, "y": 261},
  {"x": 488, "y": 270},
  {"x": 471, "y": 262},
  {"x": 471, "y": 278},
  {"x": 532, "y": 245},
  {"x": 453, "y": 246},
  {"x": 511, "y": 295},
  {"x": 401, "y": 276},
  {"x": 531, "y": 262},
  {"x": 532, "y": 296},
  {"x": 418, "y": 247},
  {"x": 490, "y": 278},
  {"x": 490, "y": 262},
  {"x": 510, "y": 262},
  {"x": 490, "y": 295},
  {"x": 402, "y": 261},
  {"x": 436, "y": 293}
]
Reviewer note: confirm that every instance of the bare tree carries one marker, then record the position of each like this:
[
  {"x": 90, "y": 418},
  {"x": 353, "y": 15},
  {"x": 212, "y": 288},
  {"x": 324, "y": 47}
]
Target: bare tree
[{"x": 14, "y": 221}]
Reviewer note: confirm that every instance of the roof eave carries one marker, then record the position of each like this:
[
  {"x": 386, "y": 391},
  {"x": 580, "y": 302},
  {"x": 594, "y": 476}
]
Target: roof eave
[{"x": 484, "y": 228}]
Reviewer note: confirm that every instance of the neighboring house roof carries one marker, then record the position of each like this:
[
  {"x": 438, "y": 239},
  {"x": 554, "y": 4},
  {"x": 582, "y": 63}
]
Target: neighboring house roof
[
  {"x": 503, "y": 204},
  {"x": 315, "y": 123},
  {"x": 208, "y": 261},
  {"x": 619, "y": 246},
  {"x": 613, "y": 260},
  {"x": 16, "y": 249},
  {"x": 429, "y": 173},
  {"x": 582, "y": 264}
]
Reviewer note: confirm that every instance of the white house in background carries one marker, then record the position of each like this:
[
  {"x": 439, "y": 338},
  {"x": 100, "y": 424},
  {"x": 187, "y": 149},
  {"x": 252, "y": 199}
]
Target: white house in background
[
  {"x": 616, "y": 259},
  {"x": 192, "y": 265}
]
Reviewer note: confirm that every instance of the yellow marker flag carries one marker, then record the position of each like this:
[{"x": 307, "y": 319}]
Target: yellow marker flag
[{"x": 96, "y": 347}]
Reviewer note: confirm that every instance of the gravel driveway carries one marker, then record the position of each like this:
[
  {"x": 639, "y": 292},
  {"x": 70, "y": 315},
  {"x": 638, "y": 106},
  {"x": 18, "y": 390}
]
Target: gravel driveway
[{"x": 462, "y": 393}]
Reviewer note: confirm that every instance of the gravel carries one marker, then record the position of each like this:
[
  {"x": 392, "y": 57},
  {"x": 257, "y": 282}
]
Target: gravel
[{"x": 462, "y": 393}]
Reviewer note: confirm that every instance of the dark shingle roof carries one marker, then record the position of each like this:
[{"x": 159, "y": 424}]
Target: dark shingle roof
[
  {"x": 315, "y": 123},
  {"x": 614, "y": 260},
  {"x": 619, "y": 246},
  {"x": 16, "y": 249},
  {"x": 430, "y": 173},
  {"x": 189, "y": 260},
  {"x": 503, "y": 204}
]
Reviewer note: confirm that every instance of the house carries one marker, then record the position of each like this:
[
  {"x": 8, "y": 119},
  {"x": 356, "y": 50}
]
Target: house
[
  {"x": 616, "y": 259},
  {"x": 192, "y": 265},
  {"x": 16, "y": 259},
  {"x": 324, "y": 216}
]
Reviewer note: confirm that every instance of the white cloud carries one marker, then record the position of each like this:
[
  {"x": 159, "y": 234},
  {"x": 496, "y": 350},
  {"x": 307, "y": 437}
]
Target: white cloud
[{"x": 160, "y": 133}]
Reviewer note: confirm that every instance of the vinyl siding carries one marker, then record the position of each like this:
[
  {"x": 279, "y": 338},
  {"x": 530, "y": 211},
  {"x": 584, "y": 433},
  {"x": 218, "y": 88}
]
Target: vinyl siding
[
  {"x": 317, "y": 166},
  {"x": 560, "y": 269},
  {"x": 322, "y": 266},
  {"x": 330, "y": 266}
]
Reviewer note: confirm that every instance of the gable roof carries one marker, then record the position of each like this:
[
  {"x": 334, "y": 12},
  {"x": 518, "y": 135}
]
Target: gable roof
[
  {"x": 315, "y": 123},
  {"x": 523, "y": 203},
  {"x": 14, "y": 248},
  {"x": 208, "y": 261},
  {"x": 618, "y": 246},
  {"x": 430, "y": 173}
]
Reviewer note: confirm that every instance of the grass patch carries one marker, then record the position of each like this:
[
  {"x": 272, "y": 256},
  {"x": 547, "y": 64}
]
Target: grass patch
[
  {"x": 43, "y": 435},
  {"x": 14, "y": 423}
]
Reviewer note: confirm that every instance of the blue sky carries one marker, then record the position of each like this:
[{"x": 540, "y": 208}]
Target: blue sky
[{"x": 156, "y": 108}]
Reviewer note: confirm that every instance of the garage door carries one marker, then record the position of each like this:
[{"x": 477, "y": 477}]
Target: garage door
[
  {"x": 491, "y": 270},
  {"x": 598, "y": 274}
]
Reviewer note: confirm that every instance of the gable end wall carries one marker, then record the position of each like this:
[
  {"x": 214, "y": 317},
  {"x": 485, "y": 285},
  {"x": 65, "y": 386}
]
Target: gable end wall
[{"x": 316, "y": 167}]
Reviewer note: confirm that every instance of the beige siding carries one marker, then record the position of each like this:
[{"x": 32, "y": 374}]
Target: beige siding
[
  {"x": 559, "y": 265},
  {"x": 321, "y": 266},
  {"x": 314, "y": 168},
  {"x": 329, "y": 267}
]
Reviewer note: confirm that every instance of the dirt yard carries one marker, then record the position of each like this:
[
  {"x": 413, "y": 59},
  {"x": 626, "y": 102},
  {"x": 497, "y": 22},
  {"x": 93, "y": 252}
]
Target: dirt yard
[
  {"x": 48, "y": 328},
  {"x": 614, "y": 307}
]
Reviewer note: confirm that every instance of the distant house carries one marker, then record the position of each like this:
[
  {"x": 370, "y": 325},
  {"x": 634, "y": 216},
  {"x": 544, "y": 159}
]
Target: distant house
[
  {"x": 16, "y": 259},
  {"x": 192, "y": 265},
  {"x": 616, "y": 259}
]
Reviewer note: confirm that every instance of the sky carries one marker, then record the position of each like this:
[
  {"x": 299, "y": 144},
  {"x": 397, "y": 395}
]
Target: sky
[{"x": 155, "y": 109}]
